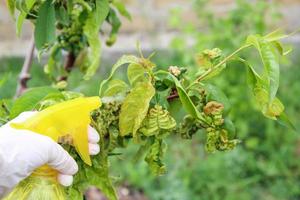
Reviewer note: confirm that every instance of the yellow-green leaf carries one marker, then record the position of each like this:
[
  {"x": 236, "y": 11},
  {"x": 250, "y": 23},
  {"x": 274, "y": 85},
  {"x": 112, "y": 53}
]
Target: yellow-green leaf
[
  {"x": 134, "y": 108},
  {"x": 115, "y": 86},
  {"x": 137, "y": 73}
]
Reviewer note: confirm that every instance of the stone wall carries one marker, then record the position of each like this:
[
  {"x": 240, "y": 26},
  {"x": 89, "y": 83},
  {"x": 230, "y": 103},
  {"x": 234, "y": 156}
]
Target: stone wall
[{"x": 149, "y": 24}]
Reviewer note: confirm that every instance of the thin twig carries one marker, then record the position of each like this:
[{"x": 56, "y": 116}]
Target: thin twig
[
  {"x": 214, "y": 68},
  {"x": 25, "y": 72}
]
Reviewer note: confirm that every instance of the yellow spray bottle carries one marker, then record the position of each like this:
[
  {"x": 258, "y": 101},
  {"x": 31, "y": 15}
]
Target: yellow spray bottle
[{"x": 70, "y": 118}]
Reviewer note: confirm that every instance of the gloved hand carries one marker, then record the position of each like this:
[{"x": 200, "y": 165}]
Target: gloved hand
[{"x": 22, "y": 151}]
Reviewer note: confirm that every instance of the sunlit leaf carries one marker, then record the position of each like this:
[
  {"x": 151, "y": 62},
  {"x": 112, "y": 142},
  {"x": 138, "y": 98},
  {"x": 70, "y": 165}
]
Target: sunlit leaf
[
  {"x": 122, "y": 61},
  {"x": 115, "y": 86},
  {"x": 137, "y": 73},
  {"x": 135, "y": 107}
]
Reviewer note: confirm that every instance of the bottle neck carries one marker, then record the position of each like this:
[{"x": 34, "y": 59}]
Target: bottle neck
[{"x": 45, "y": 171}]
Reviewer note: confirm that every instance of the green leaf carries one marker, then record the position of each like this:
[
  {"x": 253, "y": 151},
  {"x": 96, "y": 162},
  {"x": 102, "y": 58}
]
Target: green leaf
[
  {"x": 270, "y": 62},
  {"x": 275, "y": 36},
  {"x": 123, "y": 60},
  {"x": 121, "y": 8},
  {"x": 115, "y": 86},
  {"x": 134, "y": 108},
  {"x": 91, "y": 31},
  {"x": 214, "y": 93},
  {"x": 30, "y": 99},
  {"x": 24, "y": 7},
  {"x": 44, "y": 33},
  {"x": 115, "y": 23},
  {"x": 11, "y": 7},
  {"x": 19, "y": 24},
  {"x": 187, "y": 103},
  {"x": 284, "y": 120},
  {"x": 137, "y": 73},
  {"x": 62, "y": 15}
]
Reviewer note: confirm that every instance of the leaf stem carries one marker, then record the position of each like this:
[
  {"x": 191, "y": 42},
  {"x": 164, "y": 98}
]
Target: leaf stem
[{"x": 214, "y": 68}]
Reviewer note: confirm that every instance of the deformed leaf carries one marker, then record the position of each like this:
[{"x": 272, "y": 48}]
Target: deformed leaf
[
  {"x": 155, "y": 155},
  {"x": 157, "y": 120},
  {"x": 271, "y": 110},
  {"x": 134, "y": 108},
  {"x": 214, "y": 93}
]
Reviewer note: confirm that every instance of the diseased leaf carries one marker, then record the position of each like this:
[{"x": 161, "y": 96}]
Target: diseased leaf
[
  {"x": 271, "y": 110},
  {"x": 91, "y": 31},
  {"x": 154, "y": 156},
  {"x": 216, "y": 94},
  {"x": 134, "y": 108},
  {"x": 123, "y": 60},
  {"x": 30, "y": 99},
  {"x": 115, "y": 86},
  {"x": 137, "y": 73},
  {"x": 44, "y": 33},
  {"x": 157, "y": 120}
]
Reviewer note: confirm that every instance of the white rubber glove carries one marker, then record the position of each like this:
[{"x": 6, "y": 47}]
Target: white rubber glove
[{"x": 22, "y": 151}]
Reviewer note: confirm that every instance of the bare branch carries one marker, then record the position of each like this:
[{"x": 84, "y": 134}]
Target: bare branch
[
  {"x": 70, "y": 60},
  {"x": 25, "y": 72}
]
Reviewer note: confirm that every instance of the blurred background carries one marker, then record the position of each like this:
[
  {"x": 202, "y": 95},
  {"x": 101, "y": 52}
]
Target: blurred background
[{"x": 266, "y": 165}]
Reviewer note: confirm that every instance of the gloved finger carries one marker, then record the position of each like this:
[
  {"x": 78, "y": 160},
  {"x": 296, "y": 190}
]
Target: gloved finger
[
  {"x": 94, "y": 149},
  {"x": 60, "y": 160},
  {"x": 93, "y": 135},
  {"x": 65, "y": 180}
]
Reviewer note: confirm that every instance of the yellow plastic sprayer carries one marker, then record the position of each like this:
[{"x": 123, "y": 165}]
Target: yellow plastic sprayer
[{"x": 70, "y": 118}]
